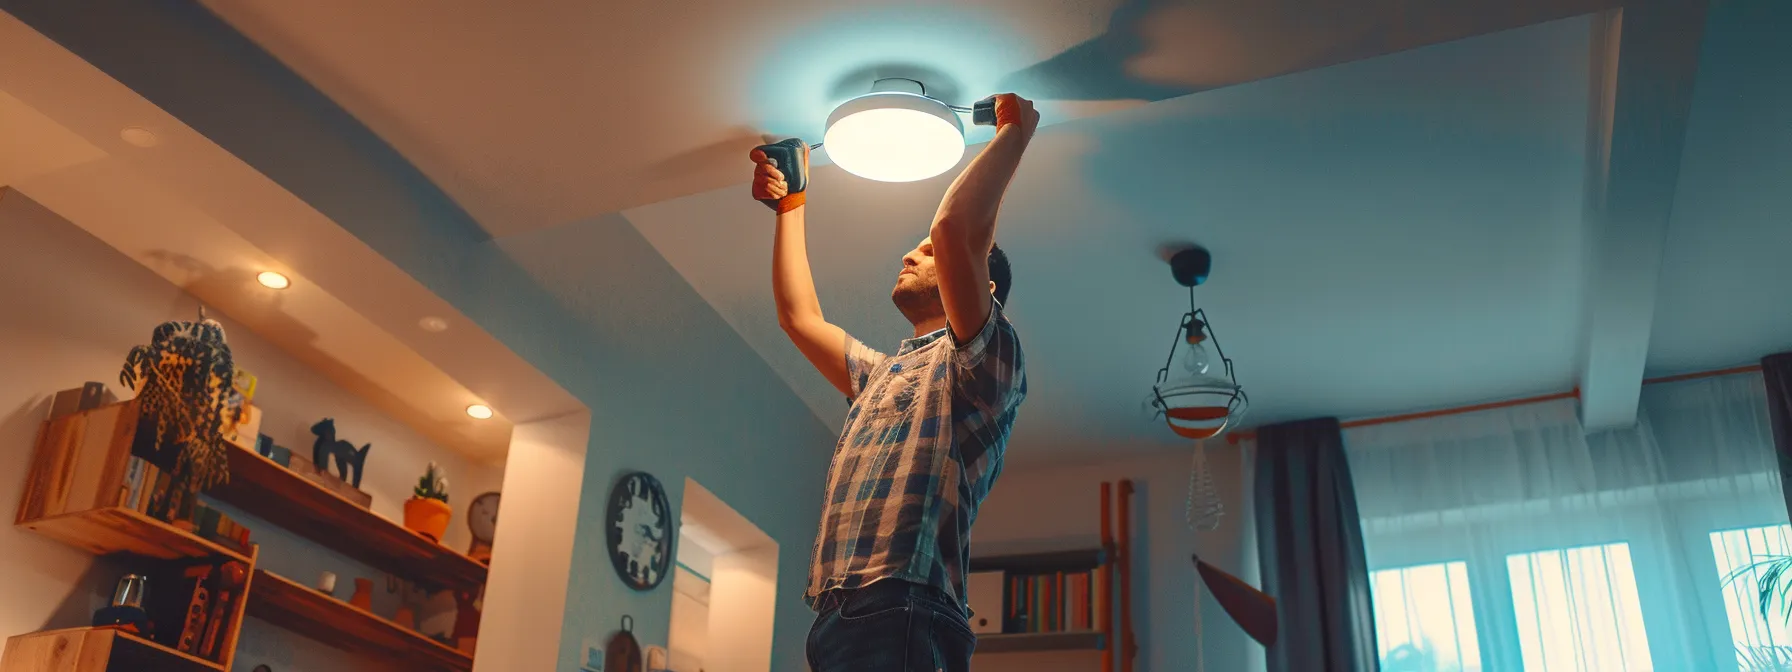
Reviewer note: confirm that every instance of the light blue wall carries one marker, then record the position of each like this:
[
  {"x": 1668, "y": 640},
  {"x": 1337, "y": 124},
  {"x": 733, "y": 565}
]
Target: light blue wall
[{"x": 671, "y": 388}]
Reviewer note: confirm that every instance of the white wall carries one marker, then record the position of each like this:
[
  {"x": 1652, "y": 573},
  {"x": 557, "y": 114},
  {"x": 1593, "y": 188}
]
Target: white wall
[
  {"x": 1059, "y": 508},
  {"x": 532, "y": 555},
  {"x": 742, "y": 601},
  {"x": 70, "y": 308}
]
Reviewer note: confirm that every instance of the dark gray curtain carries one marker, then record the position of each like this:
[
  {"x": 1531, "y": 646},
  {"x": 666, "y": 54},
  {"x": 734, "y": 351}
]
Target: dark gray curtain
[
  {"x": 1311, "y": 541},
  {"x": 1777, "y": 369}
]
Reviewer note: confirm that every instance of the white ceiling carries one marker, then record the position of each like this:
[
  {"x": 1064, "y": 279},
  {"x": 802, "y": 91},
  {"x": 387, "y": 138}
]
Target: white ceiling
[
  {"x": 206, "y": 222},
  {"x": 537, "y": 114},
  {"x": 1391, "y": 234}
]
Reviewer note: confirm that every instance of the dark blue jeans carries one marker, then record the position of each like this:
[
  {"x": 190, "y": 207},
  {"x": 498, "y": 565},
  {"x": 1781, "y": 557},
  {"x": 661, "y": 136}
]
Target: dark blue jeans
[{"x": 890, "y": 626}]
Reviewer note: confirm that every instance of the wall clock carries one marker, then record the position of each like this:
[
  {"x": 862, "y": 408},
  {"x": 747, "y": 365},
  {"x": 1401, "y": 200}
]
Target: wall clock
[
  {"x": 639, "y": 531},
  {"x": 482, "y": 520}
]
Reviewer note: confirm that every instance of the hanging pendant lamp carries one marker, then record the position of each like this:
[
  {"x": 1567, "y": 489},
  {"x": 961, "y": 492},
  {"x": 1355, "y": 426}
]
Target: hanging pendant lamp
[
  {"x": 1197, "y": 392},
  {"x": 1198, "y": 395}
]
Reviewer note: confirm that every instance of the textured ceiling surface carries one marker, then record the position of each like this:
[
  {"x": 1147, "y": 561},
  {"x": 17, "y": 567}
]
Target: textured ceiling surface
[{"x": 1403, "y": 229}]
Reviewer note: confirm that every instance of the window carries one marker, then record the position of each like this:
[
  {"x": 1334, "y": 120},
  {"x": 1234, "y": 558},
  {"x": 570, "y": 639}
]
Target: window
[
  {"x": 1577, "y": 610},
  {"x": 1735, "y": 551},
  {"x": 1425, "y": 619}
]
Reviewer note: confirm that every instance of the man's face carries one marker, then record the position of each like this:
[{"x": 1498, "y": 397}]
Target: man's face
[{"x": 917, "y": 291}]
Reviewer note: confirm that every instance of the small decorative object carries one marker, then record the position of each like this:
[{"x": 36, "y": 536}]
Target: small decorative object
[
  {"x": 624, "y": 652},
  {"x": 482, "y": 519},
  {"x": 298, "y": 463},
  {"x": 231, "y": 578},
  {"x": 328, "y": 446},
  {"x": 468, "y": 604},
  {"x": 363, "y": 597},
  {"x": 196, "y": 580},
  {"x": 427, "y": 512},
  {"x": 183, "y": 379},
  {"x": 639, "y": 531},
  {"x": 87, "y": 397},
  {"x": 406, "y": 617},
  {"x": 126, "y": 612},
  {"x": 326, "y": 583}
]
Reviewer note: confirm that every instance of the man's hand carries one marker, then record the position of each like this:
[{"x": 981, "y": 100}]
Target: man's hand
[
  {"x": 771, "y": 186},
  {"x": 1017, "y": 111}
]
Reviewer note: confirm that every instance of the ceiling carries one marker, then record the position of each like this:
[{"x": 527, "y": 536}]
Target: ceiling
[
  {"x": 1404, "y": 229},
  {"x": 208, "y": 223},
  {"x": 538, "y": 114}
]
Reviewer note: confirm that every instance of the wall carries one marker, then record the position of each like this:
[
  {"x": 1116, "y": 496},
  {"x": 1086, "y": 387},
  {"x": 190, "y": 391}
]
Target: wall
[
  {"x": 70, "y": 308},
  {"x": 1058, "y": 507}
]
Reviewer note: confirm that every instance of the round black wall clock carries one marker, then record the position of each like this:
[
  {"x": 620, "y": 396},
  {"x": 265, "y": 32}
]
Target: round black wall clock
[{"x": 639, "y": 532}]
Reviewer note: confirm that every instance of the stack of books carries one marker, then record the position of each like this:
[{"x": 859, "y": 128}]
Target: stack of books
[{"x": 1056, "y": 602}]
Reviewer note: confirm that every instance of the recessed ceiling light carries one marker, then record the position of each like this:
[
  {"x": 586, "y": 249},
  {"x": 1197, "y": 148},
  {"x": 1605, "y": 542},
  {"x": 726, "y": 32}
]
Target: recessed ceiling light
[
  {"x": 433, "y": 324},
  {"x": 272, "y": 280},
  {"x": 480, "y": 411},
  {"x": 894, "y": 136},
  {"x": 139, "y": 136}
]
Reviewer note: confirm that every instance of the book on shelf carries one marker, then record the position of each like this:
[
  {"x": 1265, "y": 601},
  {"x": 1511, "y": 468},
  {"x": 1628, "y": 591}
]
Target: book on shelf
[
  {"x": 147, "y": 490},
  {"x": 1055, "y": 602}
]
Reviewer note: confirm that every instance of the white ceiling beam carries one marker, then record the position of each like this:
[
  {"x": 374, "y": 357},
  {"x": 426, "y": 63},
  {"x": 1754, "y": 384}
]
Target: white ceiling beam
[{"x": 1645, "y": 59}]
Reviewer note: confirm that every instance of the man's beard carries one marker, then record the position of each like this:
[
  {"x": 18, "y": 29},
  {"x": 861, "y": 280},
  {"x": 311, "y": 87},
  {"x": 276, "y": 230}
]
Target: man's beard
[{"x": 919, "y": 303}]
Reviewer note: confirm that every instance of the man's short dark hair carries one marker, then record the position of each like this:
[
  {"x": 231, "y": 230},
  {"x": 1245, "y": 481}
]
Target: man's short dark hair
[{"x": 1000, "y": 273}]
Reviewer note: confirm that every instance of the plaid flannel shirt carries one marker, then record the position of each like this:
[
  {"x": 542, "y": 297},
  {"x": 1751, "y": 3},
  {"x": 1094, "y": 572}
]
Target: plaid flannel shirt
[{"x": 922, "y": 446}]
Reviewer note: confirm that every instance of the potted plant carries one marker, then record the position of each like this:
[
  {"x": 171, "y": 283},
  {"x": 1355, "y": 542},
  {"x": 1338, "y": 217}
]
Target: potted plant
[{"x": 427, "y": 512}]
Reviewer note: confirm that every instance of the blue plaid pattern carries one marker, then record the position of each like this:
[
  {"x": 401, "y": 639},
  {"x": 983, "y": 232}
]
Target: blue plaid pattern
[{"x": 922, "y": 446}]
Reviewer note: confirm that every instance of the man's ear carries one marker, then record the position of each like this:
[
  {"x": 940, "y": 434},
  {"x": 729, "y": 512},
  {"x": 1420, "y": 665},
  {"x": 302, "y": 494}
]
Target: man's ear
[{"x": 992, "y": 288}]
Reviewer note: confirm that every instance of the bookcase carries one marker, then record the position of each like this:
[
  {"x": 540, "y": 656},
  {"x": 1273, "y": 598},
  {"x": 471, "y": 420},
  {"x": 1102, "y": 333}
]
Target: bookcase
[
  {"x": 79, "y": 491},
  {"x": 1070, "y": 599}
]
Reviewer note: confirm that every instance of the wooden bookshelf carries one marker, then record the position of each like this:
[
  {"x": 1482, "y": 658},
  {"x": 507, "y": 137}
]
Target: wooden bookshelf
[
  {"x": 267, "y": 490},
  {"x": 1087, "y": 640},
  {"x": 1074, "y": 560},
  {"x": 285, "y": 603},
  {"x": 96, "y": 650},
  {"x": 118, "y": 530}
]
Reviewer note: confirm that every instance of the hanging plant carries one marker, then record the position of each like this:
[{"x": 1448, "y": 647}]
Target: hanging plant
[{"x": 183, "y": 380}]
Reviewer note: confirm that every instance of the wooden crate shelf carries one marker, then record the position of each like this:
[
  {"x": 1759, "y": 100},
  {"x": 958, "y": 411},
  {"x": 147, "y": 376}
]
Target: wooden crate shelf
[
  {"x": 1089, "y": 640},
  {"x": 117, "y": 530},
  {"x": 96, "y": 650},
  {"x": 265, "y": 489},
  {"x": 285, "y": 603}
]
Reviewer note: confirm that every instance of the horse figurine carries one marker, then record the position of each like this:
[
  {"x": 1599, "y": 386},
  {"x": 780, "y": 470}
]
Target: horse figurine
[{"x": 328, "y": 446}]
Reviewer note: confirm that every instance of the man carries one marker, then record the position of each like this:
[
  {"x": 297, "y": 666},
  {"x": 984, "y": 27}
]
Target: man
[{"x": 927, "y": 428}]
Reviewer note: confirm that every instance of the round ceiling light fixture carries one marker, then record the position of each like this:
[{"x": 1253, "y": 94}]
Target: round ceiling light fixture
[
  {"x": 433, "y": 324},
  {"x": 273, "y": 280},
  {"x": 894, "y": 136},
  {"x": 480, "y": 411}
]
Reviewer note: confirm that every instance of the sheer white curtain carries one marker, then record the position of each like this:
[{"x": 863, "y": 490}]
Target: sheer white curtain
[{"x": 1509, "y": 539}]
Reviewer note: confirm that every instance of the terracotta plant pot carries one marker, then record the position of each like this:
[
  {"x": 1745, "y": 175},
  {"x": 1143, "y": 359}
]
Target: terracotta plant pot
[{"x": 428, "y": 517}]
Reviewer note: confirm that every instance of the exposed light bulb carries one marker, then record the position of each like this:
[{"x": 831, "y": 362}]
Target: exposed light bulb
[{"x": 1196, "y": 361}]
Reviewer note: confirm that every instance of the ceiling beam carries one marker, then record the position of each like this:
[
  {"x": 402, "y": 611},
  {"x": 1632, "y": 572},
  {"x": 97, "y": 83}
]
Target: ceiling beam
[{"x": 1644, "y": 61}]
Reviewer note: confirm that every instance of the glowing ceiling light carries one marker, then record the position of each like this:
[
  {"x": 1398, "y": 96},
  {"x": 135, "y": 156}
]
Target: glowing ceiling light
[
  {"x": 272, "y": 280},
  {"x": 894, "y": 137},
  {"x": 480, "y": 411}
]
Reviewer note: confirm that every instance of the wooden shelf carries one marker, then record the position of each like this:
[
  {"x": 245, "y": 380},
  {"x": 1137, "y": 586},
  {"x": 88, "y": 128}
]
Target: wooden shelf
[
  {"x": 1041, "y": 641},
  {"x": 1076, "y": 560},
  {"x": 280, "y": 601},
  {"x": 262, "y": 487},
  {"x": 117, "y": 530},
  {"x": 96, "y": 650}
]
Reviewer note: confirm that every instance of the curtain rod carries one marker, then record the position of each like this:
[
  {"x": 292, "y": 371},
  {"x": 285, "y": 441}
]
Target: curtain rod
[{"x": 1235, "y": 437}]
